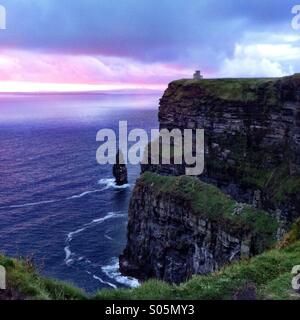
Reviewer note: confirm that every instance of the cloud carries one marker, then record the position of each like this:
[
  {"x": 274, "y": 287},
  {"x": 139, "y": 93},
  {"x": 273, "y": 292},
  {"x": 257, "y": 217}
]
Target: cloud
[
  {"x": 24, "y": 65},
  {"x": 201, "y": 32},
  {"x": 149, "y": 41},
  {"x": 262, "y": 60}
]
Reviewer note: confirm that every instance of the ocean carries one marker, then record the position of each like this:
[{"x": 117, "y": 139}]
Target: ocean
[{"x": 58, "y": 206}]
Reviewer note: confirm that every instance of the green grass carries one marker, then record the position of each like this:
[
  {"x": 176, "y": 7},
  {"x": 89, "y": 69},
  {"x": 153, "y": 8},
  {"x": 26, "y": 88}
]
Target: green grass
[
  {"x": 269, "y": 274},
  {"x": 23, "y": 278},
  {"x": 246, "y": 90},
  {"x": 209, "y": 202},
  {"x": 280, "y": 288},
  {"x": 291, "y": 237},
  {"x": 282, "y": 185},
  {"x": 251, "y": 170}
]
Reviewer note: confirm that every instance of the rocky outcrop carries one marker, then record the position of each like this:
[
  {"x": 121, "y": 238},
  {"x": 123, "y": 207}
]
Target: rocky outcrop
[
  {"x": 181, "y": 226},
  {"x": 252, "y": 137},
  {"x": 120, "y": 170}
]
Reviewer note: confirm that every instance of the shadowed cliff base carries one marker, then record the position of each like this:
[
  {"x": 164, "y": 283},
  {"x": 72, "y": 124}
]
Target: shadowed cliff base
[{"x": 264, "y": 277}]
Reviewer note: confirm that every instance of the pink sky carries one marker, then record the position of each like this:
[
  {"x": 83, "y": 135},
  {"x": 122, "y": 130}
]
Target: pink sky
[
  {"x": 52, "y": 45},
  {"x": 31, "y": 71}
]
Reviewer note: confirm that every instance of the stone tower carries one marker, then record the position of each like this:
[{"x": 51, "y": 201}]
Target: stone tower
[{"x": 197, "y": 75}]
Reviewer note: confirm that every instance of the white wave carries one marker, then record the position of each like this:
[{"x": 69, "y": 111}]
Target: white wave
[
  {"x": 31, "y": 204},
  {"x": 76, "y": 196},
  {"x": 111, "y": 183},
  {"x": 68, "y": 252},
  {"x": 104, "y": 282},
  {"x": 110, "y": 215},
  {"x": 68, "y": 260},
  {"x": 113, "y": 272},
  {"x": 108, "y": 237},
  {"x": 67, "y": 248},
  {"x": 108, "y": 183},
  {"x": 71, "y": 234}
]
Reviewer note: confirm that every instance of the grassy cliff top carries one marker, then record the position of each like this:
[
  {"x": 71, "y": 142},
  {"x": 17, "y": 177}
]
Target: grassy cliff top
[
  {"x": 209, "y": 202},
  {"x": 247, "y": 90},
  {"x": 226, "y": 81}
]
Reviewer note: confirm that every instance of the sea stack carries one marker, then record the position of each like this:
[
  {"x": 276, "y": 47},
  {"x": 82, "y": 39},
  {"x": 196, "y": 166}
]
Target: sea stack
[{"x": 120, "y": 170}]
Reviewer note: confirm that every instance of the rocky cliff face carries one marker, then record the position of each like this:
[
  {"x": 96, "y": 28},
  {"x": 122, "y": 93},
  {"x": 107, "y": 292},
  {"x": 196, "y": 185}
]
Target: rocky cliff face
[
  {"x": 252, "y": 137},
  {"x": 252, "y": 154},
  {"x": 181, "y": 226}
]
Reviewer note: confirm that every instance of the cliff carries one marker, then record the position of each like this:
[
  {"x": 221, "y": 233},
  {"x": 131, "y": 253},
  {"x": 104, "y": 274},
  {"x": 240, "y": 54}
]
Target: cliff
[
  {"x": 180, "y": 226},
  {"x": 252, "y": 137},
  {"x": 263, "y": 277},
  {"x": 252, "y": 156}
]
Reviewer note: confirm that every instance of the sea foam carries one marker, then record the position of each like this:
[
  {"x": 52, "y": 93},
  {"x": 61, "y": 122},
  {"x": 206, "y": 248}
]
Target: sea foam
[{"x": 112, "y": 271}]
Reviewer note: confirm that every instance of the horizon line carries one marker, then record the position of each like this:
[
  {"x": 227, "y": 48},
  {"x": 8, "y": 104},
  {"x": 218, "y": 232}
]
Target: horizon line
[{"x": 23, "y": 87}]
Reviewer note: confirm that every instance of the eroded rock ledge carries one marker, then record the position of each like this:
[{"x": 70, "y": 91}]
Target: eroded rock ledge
[{"x": 180, "y": 226}]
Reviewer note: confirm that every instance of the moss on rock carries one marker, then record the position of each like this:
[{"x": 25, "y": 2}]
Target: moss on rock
[
  {"x": 209, "y": 202},
  {"x": 245, "y": 90},
  {"x": 291, "y": 237}
]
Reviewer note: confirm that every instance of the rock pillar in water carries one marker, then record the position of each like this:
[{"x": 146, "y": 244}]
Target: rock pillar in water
[{"x": 120, "y": 170}]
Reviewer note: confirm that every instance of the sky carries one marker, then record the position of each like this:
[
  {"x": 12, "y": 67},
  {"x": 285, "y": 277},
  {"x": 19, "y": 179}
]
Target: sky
[{"x": 76, "y": 45}]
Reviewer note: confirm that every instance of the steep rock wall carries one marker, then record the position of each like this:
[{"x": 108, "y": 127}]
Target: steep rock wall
[
  {"x": 252, "y": 154},
  {"x": 181, "y": 226},
  {"x": 252, "y": 138}
]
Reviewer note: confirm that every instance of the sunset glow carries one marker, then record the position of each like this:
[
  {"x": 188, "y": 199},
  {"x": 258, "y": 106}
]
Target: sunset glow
[
  {"x": 25, "y": 71},
  {"x": 106, "y": 49},
  {"x": 27, "y": 87}
]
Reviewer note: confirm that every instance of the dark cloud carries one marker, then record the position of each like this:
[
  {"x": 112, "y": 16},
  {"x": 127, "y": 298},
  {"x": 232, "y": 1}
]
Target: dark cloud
[{"x": 148, "y": 30}]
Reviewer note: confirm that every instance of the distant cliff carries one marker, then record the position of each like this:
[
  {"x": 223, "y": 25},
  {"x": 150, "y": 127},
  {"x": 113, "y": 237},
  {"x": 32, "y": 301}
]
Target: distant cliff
[{"x": 252, "y": 154}]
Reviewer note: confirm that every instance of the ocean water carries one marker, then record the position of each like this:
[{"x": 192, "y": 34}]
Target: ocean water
[{"x": 57, "y": 205}]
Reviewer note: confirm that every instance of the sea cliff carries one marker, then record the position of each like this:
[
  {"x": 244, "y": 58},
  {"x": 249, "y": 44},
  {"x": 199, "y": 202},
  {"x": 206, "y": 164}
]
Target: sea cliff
[
  {"x": 252, "y": 137},
  {"x": 180, "y": 226},
  {"x": 252, "y": 158}
]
